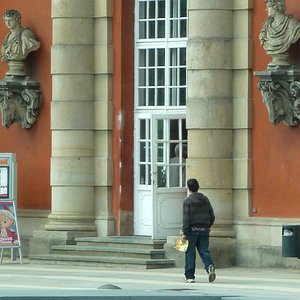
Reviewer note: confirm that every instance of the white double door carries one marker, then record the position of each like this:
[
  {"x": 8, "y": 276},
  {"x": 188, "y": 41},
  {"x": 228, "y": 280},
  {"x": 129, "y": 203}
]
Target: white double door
[{"x": 160, "y": 153}]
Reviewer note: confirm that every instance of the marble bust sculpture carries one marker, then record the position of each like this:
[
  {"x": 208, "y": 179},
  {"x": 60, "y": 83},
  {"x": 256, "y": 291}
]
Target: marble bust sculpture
[
  {"x": 279, "y": 32},
  {"x": 19, "y": 42}
]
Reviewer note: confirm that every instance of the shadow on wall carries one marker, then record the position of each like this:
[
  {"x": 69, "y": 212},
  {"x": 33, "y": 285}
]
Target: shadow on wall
[{"x": 294, "y": 54}]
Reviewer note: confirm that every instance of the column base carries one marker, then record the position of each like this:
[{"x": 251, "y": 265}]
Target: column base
[{"x": 65, "y": 222}]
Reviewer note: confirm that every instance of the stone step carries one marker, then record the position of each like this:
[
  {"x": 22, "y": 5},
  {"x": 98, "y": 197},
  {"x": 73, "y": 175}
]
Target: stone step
[
  {"x": 108, "y": 251},
  {"x": 104, "y": 261},
  {"x": 136, "y": 242}
]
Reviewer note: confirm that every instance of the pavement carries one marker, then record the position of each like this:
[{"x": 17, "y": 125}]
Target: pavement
[{"x": 32, "y": 281}]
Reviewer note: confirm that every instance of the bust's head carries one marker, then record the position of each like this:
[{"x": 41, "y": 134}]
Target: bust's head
[
  {"x": 277, "y": 5},
  {"x": 13, "y": 13}
]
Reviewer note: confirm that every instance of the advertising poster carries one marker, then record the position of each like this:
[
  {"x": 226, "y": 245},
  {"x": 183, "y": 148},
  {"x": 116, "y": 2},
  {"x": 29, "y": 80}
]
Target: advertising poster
[
  {"x": 9, "y": 234},
  {"x": 4, "y": 184}
]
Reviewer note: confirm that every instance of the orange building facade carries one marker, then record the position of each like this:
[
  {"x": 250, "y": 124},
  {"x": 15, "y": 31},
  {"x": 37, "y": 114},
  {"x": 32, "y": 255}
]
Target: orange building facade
[{"x": 82, "y": 168}]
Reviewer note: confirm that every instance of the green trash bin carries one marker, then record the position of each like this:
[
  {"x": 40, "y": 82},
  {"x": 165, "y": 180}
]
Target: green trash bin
[{"x": 291, "y": 240}]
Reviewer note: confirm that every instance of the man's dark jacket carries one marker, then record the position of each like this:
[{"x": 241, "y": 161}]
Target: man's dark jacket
[{"x": 197, "y": 211}]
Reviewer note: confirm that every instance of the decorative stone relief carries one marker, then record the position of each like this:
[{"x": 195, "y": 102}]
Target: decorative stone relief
[
  {"x": 279, "y": 83},
  {"x": 20, "y": 96}
]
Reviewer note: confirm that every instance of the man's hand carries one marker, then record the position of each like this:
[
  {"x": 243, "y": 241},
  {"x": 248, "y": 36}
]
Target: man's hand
[{"x": 183, "y": 238}]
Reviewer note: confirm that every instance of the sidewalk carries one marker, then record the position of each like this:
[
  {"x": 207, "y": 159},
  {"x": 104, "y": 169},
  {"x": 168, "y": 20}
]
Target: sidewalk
[{"x": 30, "y": 281}]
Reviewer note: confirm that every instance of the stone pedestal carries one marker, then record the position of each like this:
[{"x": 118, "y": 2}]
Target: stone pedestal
[
  {"x": 20, "y": 100},
  {"x": 280, "y": 89}
]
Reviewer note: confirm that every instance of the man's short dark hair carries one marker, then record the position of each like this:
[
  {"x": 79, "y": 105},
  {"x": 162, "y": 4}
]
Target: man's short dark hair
[{"x": 193, "y": 185}]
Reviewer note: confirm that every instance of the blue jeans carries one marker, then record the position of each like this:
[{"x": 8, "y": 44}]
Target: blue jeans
[{"x": 197, "y": 240}]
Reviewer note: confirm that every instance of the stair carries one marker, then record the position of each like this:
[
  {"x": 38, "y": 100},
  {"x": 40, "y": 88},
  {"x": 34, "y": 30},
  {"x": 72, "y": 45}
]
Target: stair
[{"x": 115, "y": 251}]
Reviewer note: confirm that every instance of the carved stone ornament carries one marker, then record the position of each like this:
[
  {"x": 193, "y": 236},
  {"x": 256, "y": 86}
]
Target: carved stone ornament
[
  {"x": 281, "y": 95},
  {"x": 20, "y": 96},
  {"x": 279, "y": 83},
  {"x": 20, "y": 102}
]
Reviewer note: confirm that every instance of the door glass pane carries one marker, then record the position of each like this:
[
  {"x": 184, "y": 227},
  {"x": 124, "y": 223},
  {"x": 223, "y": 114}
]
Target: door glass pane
[
  {"x": 160, "y": 152},
  {"x": 142, "y": 129},
  {"x": 161, "y": 176},
  {"x": 160, "y": 129},
  {"x": 174, "y": 130},
  {"x": 142, "y": 174},
  {"x": 142, "y": 152}
]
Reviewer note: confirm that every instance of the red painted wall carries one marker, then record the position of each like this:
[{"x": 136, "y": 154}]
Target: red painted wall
[
  {"x": 123, "y": 97},
  {"x": 275, "y": 149},
  {"x": 32, "y": 146}
]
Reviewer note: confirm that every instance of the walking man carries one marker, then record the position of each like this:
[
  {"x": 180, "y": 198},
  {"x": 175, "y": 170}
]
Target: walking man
[{"x": 198, "y": 217}]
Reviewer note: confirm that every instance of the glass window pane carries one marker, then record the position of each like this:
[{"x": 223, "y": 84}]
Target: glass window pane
[
  {"x": 142, "y": 97},
  {"x": 174, "y": 29},
  {"x": 152, "y": 9},
  {"x": 160, "y": 57},
  {"x": 160, "y": 97},
  {"x": 151, "y": 95},
  {"x": 173, "y": 97},
  {"x": 161, "y": 29},
  {"x": 183, "y": 8},
  {"x": 182, "y": 52},
  {"x": 173, "y": 57},
  {"x": 151, "y": 29},
  {"x": 183, "y": 28},
  {"x": 182, "y": 74},
  {"x": 151, "y": 57},
  {"x": 151, "y": 74},
  {"x": 142, "y": 58},
  {"x": 143, "y": 10},
  {"x": 182, "y": 96},
  {"x": 174, "y": 8},
  {"x": 173, "y": 77},
  {"x": 161, "y": 8},
  {"x": 142, "y": 30},
  {"x": 142, "y": 77},
  {"x": 161, "y": 77}
]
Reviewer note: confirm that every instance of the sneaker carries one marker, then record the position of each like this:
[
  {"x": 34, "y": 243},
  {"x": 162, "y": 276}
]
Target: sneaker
[
  {"x": 211, "y": 273},
  {"x": 189, "y": 280}
]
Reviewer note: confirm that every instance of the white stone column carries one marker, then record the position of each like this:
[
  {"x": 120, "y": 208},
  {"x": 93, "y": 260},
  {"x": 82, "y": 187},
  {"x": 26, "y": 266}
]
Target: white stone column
[
  {"x": 72, "y": 117},
  {"x": 210, "y": 105},
  {"x": 103, "y": 13}
]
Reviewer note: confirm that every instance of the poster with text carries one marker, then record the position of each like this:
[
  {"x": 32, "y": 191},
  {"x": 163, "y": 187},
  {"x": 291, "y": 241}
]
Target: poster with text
[
  {"x": 9, "y": 234},
  {"x": 4, "y": 182}
]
